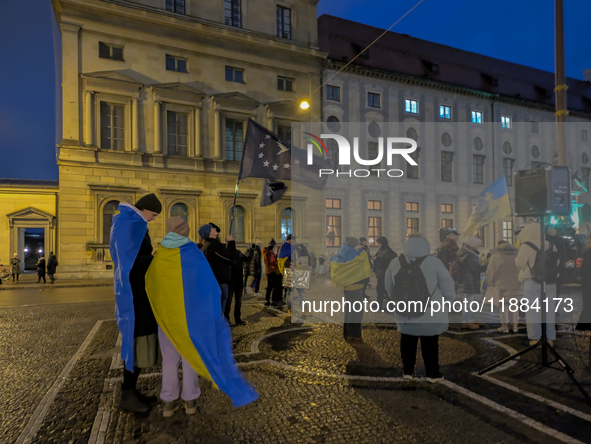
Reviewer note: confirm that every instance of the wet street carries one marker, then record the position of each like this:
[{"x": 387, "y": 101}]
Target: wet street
[{"x": 61, "y": 381}]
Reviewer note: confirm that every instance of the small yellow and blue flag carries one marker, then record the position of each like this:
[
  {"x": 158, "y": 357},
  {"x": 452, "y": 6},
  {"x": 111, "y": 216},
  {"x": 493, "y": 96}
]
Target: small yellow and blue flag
[
  {"x": 186, "y": 301},
  {"x": 493, "y": 204}
]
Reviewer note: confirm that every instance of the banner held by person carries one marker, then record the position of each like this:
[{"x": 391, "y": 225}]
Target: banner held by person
[
  {"x": 272, "y": 192},
  {"x": 493, "y": 204}
]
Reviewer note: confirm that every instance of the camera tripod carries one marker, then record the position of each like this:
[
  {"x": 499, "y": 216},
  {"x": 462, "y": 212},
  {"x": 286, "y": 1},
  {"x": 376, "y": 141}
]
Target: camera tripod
[{"x": 543, "y": 342}]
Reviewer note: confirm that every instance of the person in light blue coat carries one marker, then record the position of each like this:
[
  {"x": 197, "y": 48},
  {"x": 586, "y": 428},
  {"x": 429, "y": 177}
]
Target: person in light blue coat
[{"x": 429, "y": 326}]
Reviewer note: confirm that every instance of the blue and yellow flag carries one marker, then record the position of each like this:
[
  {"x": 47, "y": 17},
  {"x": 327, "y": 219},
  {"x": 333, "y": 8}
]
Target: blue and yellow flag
[
  {"x": 493, "y": 204},
  {"x": 186, "y": 301},
  {"x": 127, "y": 233}
]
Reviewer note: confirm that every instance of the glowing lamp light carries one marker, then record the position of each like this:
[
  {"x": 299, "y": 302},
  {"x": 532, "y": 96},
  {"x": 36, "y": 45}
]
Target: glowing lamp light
[
  {"x": 553, "y": 220},
  {"x": 304, "y": 104},
  {"x": 40, "y": 250},
  {"x": 26, "y": 250}
]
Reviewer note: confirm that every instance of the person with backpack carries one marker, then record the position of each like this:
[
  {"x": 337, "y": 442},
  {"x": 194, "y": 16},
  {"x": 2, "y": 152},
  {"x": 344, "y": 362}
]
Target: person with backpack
[
  {"x": 531, "y": 269},
  {"x": 502, "y": 278},
  {"x": 469, "y": 284},
  {"x": 381, "y": 262},
  {"x": 417, "y": 276}
]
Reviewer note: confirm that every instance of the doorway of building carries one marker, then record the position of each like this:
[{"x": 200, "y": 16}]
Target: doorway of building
[{"x": 34, "y": 247}]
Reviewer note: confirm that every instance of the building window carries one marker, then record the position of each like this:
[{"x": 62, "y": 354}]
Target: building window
[
  {"x": 333, "y": 93},
  {"x": 108, "y": 51},
  {"x": 584, "y": 135},
  {"x": 333, "y": 124},
  {"x": 284, "y": 133},
  {"x": 112, "y": 126},
  {"x": 479, "y": 234},
  {"x": 333, "y": 204},
  {"x": 284, "y": 83},
  {"x": 444, "y": 112},
  {"x": 177, "y": 6},
  {"x": 507, "y": 148},
  {"x": 508, "y": 231},
  {"x": 412, "y": 226},
  {"x": 283, "y": 22},
  {"x": 238, "y": 227},
  {"x": 477, "y": 143},
  {"x": 534, "y": 127},
  {"x": 375, "y": 229},
  {"x": 234, "y": 139},
  {"x": 374, "y": 205},
  {"x": 176, "y": 63},
  {"x": 476, "y": 117},
  {"x": 411, "y": 106},
  {"x": 535, "y": 152},
  {"x": 234, "y": 74},
  {"x": 446, "y": 166},
  {"x": 333, "y": 231},
  {"x": 232, "y": 13},
  {"x": 373, "y": 100},
  {"x": 412, "y": 206},
  {"x": 584, "y": 159},
  {"x": 506, "y": 122},
  {"x": 478, "y": 168},
  {"x": 180, "y": 210},
  {"x": 286, "y": 223},
  {"x": 508, "y": 170},
  {"x": 109, "y": 210},
  {"x": 447, "y": 208},
  {"x": 176, "y": 133},
  {"x": 447, "y": 223},
  {"x": 586, "y": 175},
  {"x": 412, "y": 171},
  {"x": 446, "y": 139},
  {"x": 333, "y": 153},
  {"x": 374, "y": 129}
]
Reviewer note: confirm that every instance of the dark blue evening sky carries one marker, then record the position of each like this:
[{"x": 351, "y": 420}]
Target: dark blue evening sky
[{"x": 517, "y": 31}]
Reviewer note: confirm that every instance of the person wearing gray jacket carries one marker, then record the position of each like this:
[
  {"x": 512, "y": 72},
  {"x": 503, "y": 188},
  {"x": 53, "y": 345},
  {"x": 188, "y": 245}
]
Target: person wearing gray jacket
[
  {"x": 429, "y": 326},
  {"x": 502, "y": 279},
  {"x": 525, "y": 260}
]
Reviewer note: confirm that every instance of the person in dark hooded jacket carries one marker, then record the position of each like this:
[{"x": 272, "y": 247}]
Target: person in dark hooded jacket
[
  {"x": 382, "y": 260},
  {"x": 236, "y": 287},
  {"x": 470, "y": 269}
]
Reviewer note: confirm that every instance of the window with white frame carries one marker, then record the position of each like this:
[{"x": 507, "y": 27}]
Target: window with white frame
[
  {"x": 234, "y": 139},
  {"x": 239, "y": 228},
  {"x": 506, "y": 122},
  {"x": 283, "y": 22},
  {"x": 476, "y": 117},
  {"x": 508, "y": 231},
  {"x": 447, "y": 208},
  {"x": 445, "y": 112},
  {"x": 286, "y": 223},
  {"x": 177, "y": 64},
  {"x": 284, "y": 83},
  {"x": 112, "y": 121},
  {"x": 411, "y": 106}
]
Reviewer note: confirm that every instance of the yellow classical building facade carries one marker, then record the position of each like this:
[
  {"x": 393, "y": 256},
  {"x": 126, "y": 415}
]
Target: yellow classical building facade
[
  {"x": 28, "y": 208},
  {"x": 156, "y": 95}
]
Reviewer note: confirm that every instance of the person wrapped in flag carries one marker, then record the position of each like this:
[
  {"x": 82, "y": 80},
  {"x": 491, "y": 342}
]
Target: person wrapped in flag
[
  {"x": 186, "y": 300},
  {"x": 131, "y": 251}
]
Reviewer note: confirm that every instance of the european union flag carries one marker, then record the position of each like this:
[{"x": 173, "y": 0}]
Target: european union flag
[
  {"x": 265, "y": 156},
  {"x": 493, "y": 204}
]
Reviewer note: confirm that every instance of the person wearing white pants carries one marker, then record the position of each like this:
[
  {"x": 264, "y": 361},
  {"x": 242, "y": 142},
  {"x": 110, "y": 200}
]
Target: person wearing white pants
[{"x": 170, "y": 379}]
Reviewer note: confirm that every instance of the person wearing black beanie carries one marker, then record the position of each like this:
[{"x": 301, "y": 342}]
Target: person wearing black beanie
[{"x": 149, "y": 202}]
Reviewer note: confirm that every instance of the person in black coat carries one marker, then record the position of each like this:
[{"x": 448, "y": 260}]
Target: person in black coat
[
  {"x": 469, "y": 285},
  {"x": 585, "y": 318},
  {"x": 41, "y": 270},
  {"x": 382, "y": 260},
  {"x": 236, "y": 287},
  {"x": 51, "y": 266}
]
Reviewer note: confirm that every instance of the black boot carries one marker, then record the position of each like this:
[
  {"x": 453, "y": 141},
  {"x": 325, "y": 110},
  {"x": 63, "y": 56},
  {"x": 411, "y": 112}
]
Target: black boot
[
  {"x": 130, "y": 402},
  {"x": 149, "y": 400}
]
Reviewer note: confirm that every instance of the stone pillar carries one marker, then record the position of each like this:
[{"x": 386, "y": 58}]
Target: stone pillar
[
  {"x": 157, "y": 138},
  {"x": 134, "y": 126},
  {"x": 217, "y": 146},
  {"x": 71, "y": 127},
  {"x": 88, "y": 124},
  {"x": 197, "y": 142}
]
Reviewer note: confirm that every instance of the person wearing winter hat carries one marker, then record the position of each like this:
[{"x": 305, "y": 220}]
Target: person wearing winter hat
[
  {"x": 469, "y": 285},
  {"x": 381, "y": 262},
  {"x": 219, "y": 257},
  {"x": 131, "y": 250}
]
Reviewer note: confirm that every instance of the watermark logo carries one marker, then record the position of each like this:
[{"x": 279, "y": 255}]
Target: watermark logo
[{"x": 387, "y": 148}]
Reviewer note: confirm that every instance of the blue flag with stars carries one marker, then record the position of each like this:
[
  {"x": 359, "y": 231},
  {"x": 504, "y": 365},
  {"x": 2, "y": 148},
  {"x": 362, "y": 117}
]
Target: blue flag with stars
[{"x": 267, "y": 157}]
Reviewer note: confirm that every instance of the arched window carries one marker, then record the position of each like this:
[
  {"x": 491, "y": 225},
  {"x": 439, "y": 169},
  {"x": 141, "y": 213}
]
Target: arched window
[
  {"x": 180, "y": 210},
  {"x": 238, "y": 227},
  {"x": 286, "y": 223},
  {"x": 109, "y": 210}
]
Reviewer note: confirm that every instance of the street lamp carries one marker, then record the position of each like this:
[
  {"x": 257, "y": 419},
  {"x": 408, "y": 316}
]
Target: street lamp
[{"x": 304, "y": 104}]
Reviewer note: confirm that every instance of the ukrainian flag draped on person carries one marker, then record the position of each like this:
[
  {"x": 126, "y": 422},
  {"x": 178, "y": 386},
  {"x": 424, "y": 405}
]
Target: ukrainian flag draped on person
[
  {"x": 186, "y": 301},
  {"x": 493, "y": 204}
]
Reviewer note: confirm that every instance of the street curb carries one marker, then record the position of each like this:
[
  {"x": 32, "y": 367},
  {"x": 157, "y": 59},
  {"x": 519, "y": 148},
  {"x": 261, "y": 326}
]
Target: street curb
[{"x": 45, "y": 286}]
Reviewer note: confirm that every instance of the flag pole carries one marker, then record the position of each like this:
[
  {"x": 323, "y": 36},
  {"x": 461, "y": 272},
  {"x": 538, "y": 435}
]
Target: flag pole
[{"x": 238, "y": 179}]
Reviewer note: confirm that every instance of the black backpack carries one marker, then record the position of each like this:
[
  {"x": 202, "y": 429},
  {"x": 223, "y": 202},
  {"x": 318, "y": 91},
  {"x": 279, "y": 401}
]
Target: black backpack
[
  {"x": 410, "y": 286},
  {"x": 550, "y": 268}
]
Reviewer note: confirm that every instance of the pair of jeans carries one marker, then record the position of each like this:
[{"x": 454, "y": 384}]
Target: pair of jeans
[
  {"x": 256, "y": 283},
  {"x": 225, "y": 291},
  {"x": 429, "y": 350},
  {"x": 353, "y": 319},
  {"x": 236, "y": 291}
]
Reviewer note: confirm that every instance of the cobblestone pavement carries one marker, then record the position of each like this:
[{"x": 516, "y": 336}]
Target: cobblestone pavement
[{"x": 314, "y": 387}]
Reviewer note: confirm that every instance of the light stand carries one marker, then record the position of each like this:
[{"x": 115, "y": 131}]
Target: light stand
[{"x": 543, "y": 342}]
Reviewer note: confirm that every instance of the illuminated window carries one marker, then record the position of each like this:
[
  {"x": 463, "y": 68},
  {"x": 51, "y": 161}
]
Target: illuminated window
[
  {"x": 476, "y": 117},
  {"x": 333, "y": 231},
  {"x": 412, "y": 226},
  {"x": 447, "y": 223},
  {"x": 508, "y": 231},
  {"x": 479, "y": 234},
  {"x": 176, "y": 127},
  {"x": 333, "y": 204},
  {"x": 374, "y": 204},
  {"x": 286, "y": 223},
  {"x": 411, "y": 106},
  {"x": 447, "y": 208},
  {"x": 444, "y": 112},
  {"x": 375, "y": 229},
  {"x": 506, "y": 122},
  {"x": 478, "y": 169},
  {"x": 412, "y": 206}
]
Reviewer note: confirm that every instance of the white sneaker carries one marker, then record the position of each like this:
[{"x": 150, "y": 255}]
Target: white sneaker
[
  {"x": 408, "y": 377},
  {"x": 503, "y": 330},
  {"x": 169, "y": 409},
  {"x": 190, "y": 407}
]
